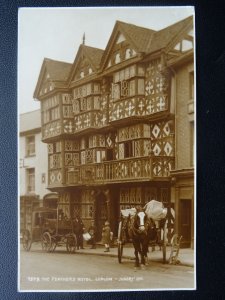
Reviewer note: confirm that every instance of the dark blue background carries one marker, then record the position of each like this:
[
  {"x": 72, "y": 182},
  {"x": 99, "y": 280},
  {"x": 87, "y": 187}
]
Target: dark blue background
[{"x": 210, "y": 50}]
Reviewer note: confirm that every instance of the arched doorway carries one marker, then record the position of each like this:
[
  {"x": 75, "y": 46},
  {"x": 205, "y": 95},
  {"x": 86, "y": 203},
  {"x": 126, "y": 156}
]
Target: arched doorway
[
  {"x": 50, "y": 200},
  {"x": 101, "y": 214}
]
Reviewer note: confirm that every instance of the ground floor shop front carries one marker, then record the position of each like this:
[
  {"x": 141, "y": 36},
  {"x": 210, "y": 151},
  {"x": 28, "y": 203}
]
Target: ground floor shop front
[{"x": 101, "y": 203}]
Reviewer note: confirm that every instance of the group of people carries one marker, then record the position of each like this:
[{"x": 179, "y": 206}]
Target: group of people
[{"x": 92, "y": 231}]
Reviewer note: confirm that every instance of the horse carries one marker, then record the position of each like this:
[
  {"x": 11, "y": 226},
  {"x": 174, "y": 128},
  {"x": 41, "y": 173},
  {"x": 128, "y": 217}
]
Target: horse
[{"x": 141, "y": 230}]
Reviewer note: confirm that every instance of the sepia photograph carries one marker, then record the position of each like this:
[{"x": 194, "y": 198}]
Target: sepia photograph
[{"x": 106, "y": 149}]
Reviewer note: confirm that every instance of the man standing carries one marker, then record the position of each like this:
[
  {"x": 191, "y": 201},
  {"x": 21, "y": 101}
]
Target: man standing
[{"x": 79, "y": 232}]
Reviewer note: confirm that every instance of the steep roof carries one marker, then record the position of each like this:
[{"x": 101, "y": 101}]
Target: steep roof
[
  {"x": 144, "y": 39},
  {"x": 165, "y": 36},
  {"x": 57, "y": 70},
  {"x": 140, "y": 36},
  {"x": 94, "y": 56}
]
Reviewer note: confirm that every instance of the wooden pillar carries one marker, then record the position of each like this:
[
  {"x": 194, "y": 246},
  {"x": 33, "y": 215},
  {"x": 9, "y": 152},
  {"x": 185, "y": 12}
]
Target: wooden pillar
[
  {"x": 94, "y": 194},
  {"x": 108, "y": 205}
]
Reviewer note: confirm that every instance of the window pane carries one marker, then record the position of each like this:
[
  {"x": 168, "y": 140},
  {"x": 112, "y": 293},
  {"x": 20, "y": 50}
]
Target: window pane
[
  {"x": 132, "y": 87},
  {"x": 30, "y": 145},
  {"x": 31, "y": 180}
]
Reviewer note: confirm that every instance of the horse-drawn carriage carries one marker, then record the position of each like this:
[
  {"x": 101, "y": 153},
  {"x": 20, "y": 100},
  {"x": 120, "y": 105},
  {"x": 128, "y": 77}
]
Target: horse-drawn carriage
[
  {"x": 49, "y": 227},
  {"x": 143, "y": 227}
]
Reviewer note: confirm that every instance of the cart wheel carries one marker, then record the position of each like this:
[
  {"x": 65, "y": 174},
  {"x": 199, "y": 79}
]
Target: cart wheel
[
  {"x": 71, "y": 243},
  {"x": 46, "y": 242},
  {"x": 164, "y": 242},
  {"x": 26, "y": 240},
  {"x": 120, "y": 251}
]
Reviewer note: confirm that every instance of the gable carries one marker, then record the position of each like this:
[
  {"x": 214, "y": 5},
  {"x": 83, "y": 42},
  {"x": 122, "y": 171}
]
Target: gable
[
  {"x": 126, "y": 41},
  {"x": 83, "y": 68},
  {"x": 120, "y": 38},
  {"x": 51, "y": 72},
  {"x": 184, "y": 43},
  {"x": 175, "y": 39},
  {"x": 120, "y": 51},
  {"x": 86, "y": 62}
]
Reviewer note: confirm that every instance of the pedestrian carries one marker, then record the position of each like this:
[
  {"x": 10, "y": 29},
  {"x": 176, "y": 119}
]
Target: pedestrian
[
  {"x": 106, "y": 236},
  {"x": 79, "y": 225},
  {"x": 92, "y": 231}
]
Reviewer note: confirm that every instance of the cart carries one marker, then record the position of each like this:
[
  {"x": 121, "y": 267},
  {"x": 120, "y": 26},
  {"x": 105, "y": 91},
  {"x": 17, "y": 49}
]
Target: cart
[
  {"x": 49, "y": 228},
  {"x": 160, "y": 238}
]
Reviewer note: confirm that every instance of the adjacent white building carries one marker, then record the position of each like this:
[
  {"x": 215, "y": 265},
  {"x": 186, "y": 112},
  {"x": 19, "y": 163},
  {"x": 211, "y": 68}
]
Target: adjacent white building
[
  {"x": 33, "y": 168},
  {"x": 33, "y": 156}
]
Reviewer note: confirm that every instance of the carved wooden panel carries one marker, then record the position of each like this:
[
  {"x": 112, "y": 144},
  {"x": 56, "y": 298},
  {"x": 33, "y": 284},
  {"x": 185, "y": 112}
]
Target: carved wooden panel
[
  {"x": 162, "y": 166},
  {"x": 110, "y": 140},
  {"x": 137, "y": 148},
  {"x": 161, "y": 139},
  {"x": 51, "y": 129},
  {"x": 156, "y": 88},
  {"x": 72, "y": 159},
  {"x": 55, "y": 176},
  {"x": 71, "y": 145},
  {"x": 50, "y": 148},
  {"x": 68, "y": 126}
]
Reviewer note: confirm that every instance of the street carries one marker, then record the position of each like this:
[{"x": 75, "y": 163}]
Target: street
[{"x": 74, "y": 272}]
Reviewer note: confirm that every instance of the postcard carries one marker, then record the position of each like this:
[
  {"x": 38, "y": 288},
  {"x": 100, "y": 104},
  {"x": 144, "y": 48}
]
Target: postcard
[{"x": 107, "y": 135}]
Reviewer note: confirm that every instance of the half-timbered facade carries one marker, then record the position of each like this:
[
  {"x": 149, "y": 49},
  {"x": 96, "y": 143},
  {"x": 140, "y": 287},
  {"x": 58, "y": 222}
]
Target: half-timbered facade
[{"x": 109, "y": 121}]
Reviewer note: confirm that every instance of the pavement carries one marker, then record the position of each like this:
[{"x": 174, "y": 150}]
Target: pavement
[{"x": 186, "y": 256}]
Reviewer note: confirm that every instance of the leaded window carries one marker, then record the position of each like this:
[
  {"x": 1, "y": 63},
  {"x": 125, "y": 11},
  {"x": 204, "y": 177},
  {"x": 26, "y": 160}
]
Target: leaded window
[
  {"x": 55, "y": 161},
  {"x": 76, "y": 106},
  {"x": 67, "y": 111},
  {"x": 87, "y": 205},
  {"x": 124, "y": 89},
  {"x": 83, "y": 104}
]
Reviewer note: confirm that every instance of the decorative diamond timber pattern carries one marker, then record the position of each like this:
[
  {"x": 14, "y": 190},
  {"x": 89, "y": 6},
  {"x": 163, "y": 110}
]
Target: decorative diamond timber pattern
[
  {"x": 156, "y": 88},
  {"x": 55, "y": 177}
]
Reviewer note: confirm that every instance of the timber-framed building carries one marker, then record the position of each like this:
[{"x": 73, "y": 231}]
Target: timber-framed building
[{"x": 110, "y": 121}]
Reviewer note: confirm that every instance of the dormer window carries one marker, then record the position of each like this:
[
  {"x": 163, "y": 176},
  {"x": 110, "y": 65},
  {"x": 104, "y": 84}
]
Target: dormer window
[
  {"x": 90, "y": 71},
  {"x": 82, "y": 74},
  {"x": 117, "y": 58}
]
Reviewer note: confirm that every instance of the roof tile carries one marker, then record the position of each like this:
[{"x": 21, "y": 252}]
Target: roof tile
[{"x": 57, "y": 70}]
